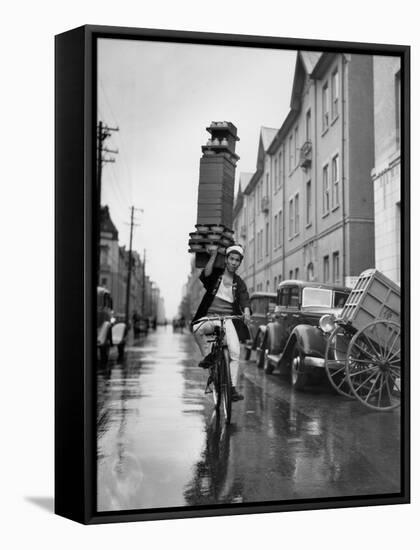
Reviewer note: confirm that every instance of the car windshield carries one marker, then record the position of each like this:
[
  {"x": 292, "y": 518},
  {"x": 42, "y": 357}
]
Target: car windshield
[
  {"x": 260, "y": 305},
  {"x": 319, "y": 297}
]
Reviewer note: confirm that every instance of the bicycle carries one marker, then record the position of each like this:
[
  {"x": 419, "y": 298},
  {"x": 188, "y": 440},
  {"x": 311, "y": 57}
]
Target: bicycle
[{"x": 220, "y": 376}]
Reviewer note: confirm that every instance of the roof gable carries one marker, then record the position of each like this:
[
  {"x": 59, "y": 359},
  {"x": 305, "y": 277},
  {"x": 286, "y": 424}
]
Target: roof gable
[
  {"x": 305, "y": 64},
  {"x": 266, "y": 137},
  {"x": 106, "y": 223}
]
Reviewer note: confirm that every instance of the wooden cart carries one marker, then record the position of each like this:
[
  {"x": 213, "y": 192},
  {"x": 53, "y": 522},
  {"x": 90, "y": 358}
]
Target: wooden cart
[{"x": 363, "y": 353}]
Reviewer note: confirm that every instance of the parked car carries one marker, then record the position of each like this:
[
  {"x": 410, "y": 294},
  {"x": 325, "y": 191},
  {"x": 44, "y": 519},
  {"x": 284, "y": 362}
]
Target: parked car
[
  {"x": 110, "y": 331},
  {"x": 262, "y": 306},
  {"x": 293, "y": 341},
  {"x": 140, "y": 324}
]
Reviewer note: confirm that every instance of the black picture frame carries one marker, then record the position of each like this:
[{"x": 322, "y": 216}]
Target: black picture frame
[{"x": 75, "y": 280}]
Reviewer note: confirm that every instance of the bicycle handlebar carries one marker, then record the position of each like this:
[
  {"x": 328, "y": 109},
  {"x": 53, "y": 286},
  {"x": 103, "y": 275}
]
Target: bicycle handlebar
[{"x": 203, "y": 320}]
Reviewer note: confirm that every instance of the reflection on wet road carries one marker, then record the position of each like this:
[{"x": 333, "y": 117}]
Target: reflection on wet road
[{"x": 160, "y": 443}]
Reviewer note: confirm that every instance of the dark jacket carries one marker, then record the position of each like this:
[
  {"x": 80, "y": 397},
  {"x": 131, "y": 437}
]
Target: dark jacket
[{"x": 240, "y": 299}]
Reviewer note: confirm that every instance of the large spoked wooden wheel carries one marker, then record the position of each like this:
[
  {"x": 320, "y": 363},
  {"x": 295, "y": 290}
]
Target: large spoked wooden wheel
[
  {"x": 373, "y": 365},
  {"x": 335, "y": 360}
]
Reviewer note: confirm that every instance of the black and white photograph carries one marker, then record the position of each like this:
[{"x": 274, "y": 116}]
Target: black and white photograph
[
  {"x": 209, "y": 275},
  {"x": 249, "y": 275}
]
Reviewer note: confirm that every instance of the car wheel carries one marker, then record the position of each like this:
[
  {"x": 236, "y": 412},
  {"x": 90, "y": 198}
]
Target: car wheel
[
  {"x": 268, "y": 367},
  {"x": 298, "y": 379},
  {"x": 121, "y": 349},
  {"x": 261, "y": 351},
  {"x": 104, "y": 354}
]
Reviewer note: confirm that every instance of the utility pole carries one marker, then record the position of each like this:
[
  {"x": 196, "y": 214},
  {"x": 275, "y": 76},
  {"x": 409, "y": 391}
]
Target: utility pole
[
  {"x": 127, "y": 296},
  {"x": 130, "y": 251},
  {"x": 104, "y": 132},
  {"x": 144, "y": 285}
]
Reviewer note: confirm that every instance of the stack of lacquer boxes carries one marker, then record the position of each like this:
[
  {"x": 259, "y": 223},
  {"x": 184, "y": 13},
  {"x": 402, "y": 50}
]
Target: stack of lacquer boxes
[{"x": 215, "y": 194}]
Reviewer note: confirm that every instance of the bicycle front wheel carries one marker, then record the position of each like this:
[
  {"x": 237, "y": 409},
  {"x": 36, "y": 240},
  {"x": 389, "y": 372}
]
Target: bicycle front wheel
[
  {"x": 225, "y": 385},
  {"x": 216, "y": 386}
]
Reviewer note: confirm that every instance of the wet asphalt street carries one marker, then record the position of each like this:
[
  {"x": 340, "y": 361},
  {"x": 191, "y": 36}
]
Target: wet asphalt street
[{"x": 160, "y": 444}]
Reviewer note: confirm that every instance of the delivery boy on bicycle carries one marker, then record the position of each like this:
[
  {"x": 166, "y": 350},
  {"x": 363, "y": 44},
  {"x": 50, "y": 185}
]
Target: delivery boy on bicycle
[{"x": 226, "y": 294}]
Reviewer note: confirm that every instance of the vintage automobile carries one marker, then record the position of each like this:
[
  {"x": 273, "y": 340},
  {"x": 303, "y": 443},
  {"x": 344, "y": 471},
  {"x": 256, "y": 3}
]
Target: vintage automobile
[
  {"x": 110, "y": 331},
  {"x": 262, "y": 305},
  {"x": 295, "y": 340}
]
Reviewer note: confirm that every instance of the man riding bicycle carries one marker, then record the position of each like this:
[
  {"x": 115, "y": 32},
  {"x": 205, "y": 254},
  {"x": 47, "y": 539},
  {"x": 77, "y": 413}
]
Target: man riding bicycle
[{"x": 226, "y": 294}]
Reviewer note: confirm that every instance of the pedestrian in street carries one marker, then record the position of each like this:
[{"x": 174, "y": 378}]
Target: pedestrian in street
[{"x": 226, "y": 294}]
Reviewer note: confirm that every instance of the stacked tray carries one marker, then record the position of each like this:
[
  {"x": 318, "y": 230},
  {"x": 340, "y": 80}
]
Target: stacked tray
[
  {"x": 215, "y": 191},
  {"x": 209, "y": 237}
]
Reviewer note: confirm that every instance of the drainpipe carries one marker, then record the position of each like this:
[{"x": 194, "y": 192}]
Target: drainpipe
[
  {"x": 255, "y": 242},
  {"x": 271, "y": 222},
  {"x": 343, "y": 179},
  {"x": 315, "y": 182},
  {"x": 283, "y": 185}
]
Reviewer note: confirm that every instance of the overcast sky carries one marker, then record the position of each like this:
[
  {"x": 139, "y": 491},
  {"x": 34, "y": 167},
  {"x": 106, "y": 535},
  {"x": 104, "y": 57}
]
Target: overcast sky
[{"x": 162, "y": 97}]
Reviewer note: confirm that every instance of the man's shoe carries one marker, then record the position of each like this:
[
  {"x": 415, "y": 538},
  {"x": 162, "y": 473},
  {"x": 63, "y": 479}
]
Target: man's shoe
[
  {"x": 207, "y": 362},
  {"x": 236, "y": 396}
]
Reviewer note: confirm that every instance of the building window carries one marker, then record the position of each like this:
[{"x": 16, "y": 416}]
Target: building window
[
  {"x": 291, "y": 221},
  {"x": 290, "y": 153},
  {"x": 334, "y": 94},
  {"x": 280, "y": 241},
  {"x": 326, "y": 265},
  {"x": 325, "y": 190},
  {"x": 336, "y": 267},
  {"x": 335, "y": 181},
  {"x": 280, "y": 170},
  {"x": 251, "y": 254},
  {"x": 276, "y": 234},
  {"x": 398, "y": 107},
  {"x": 297, "y": 218},
  {"x": 276, "y": 176},
  {"x": 308, "y": 125},
  {"x": 104, "y": 256},
  {"x": 275, "y": 284},
  {"x": 308, "y": 203},
  {"x": 291, "y": 274},
  {"x": 251, "y": 208},
  {"x": 267, "y": 239},
  {"x": 310, "y": 272},
  {"x": 267, "y": 185},
  {"x": 325, "y": 102},
  {"x": 296, "y": 146},
  {"x": 260, "y": 245},
  {"x": 297, "y": 273}
]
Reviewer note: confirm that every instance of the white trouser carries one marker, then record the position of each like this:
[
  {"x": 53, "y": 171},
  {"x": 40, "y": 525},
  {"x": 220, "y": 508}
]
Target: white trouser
[{"x": 203, "y": 331}]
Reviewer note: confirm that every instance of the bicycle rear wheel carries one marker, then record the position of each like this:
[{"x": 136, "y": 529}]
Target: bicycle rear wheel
[{"x": 225, "y": 385}]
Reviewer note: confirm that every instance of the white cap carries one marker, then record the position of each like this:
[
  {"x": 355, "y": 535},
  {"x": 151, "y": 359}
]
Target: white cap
[{"x": 235, "y": 248}]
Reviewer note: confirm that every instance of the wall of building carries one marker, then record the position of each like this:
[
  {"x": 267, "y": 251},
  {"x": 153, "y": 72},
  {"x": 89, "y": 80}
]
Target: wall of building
[
  {"x": 386, "y": 174},
  {"x": 340, "y": 228}
]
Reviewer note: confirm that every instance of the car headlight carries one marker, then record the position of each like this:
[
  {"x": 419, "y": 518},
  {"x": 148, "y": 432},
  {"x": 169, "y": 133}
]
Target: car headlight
[{"x": 327, "y": 323}]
